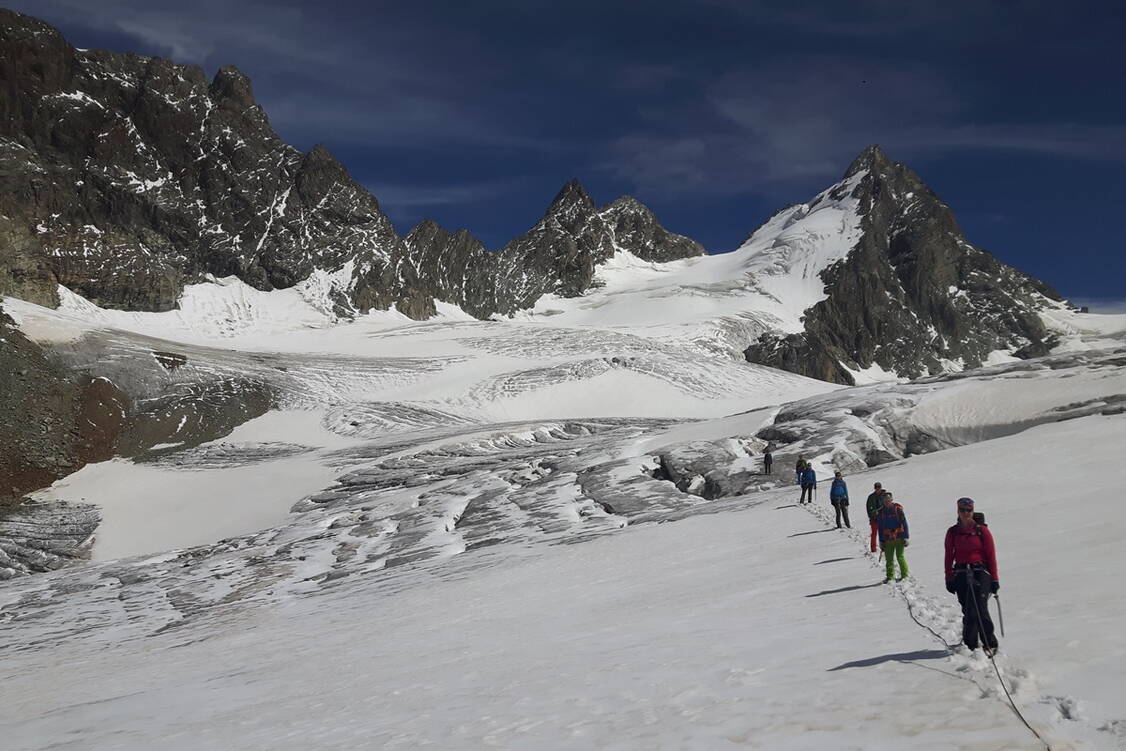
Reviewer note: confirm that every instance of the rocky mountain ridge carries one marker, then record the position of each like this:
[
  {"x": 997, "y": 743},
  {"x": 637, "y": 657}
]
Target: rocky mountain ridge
[
  {"x": 125, "y": 177},
  {"x": 559, "y": 255}
]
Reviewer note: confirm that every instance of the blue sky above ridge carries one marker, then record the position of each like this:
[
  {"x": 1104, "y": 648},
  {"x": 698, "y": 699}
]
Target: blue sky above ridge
[{"x": 713, "y": 113}]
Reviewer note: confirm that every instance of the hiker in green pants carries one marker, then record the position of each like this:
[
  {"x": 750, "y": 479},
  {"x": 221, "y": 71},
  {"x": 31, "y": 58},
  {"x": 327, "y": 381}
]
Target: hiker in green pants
[{"x": 894, "y": 536}]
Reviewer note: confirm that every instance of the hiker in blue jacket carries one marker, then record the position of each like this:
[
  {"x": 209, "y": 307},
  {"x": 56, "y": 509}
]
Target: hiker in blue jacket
[
  {"x": 808, "y": 483},
  {"x": 838, "y": 496}
]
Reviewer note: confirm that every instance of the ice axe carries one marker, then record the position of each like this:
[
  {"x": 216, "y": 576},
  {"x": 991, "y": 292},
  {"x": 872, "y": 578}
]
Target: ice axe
[{"x": 1000, "y": 617}]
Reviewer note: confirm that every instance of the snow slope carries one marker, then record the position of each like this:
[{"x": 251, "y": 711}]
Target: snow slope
[
  {"x": 756, "y": 625},
  {"x": 458, "y": 533},
  {"x": 423, "y": 594}
]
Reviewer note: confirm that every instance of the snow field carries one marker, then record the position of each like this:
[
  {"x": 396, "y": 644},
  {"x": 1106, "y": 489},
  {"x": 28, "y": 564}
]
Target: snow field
[
  {"x": 382, "y": 619},
  {"x": 760, "y": 628}
]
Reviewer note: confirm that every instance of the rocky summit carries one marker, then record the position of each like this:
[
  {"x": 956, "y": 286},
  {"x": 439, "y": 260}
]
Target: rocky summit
[
  {"x": 558, "y": 255},
  {"x": 124, "y": 177},
  {"x": 912, "y": 296}
]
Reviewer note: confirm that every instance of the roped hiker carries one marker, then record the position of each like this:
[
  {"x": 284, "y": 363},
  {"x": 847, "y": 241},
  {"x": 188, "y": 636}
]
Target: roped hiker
[
  {"x": 894, "y": 536},
  {"x": 875, "y": 501},
  {"x": 799, "y": 467},
  {"x": 838, "y": 496},
  {"x": 971, "y": 574},
  {"x": 808, "y": 484}
]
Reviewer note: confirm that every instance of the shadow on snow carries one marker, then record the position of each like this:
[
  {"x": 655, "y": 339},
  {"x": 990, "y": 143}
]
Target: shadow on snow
[
  {"x": 853, "y": 588},
  {"x": 926, "y": 654}
]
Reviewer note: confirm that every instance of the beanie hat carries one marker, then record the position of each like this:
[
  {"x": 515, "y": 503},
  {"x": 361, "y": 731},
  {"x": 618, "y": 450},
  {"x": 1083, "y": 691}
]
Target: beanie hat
[{"x": 965, "y": 504}]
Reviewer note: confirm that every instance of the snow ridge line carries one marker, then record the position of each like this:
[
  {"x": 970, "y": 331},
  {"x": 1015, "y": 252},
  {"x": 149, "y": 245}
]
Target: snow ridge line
[{"x": 908, "y": 591}]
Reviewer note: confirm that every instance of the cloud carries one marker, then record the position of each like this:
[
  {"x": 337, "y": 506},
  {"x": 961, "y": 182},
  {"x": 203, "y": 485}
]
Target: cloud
[
  {"x": 787, "y": 121},
  {"x": 806, "y": 119},
  {"x": 1104, "y": 142},
  {"x": 861, "y": 20},
  {"x": 212, "y": 26},
  {"x": 344, "y": 74},
  {"x": 413, "y": 197}
]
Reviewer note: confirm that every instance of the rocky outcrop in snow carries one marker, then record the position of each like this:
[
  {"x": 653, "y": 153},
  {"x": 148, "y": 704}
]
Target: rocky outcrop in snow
[
  {"x": 52, "y": 421},
  {"x": 95, "y": 398}
]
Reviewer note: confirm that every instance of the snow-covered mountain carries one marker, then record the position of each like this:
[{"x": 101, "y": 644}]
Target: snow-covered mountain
[
  {"x": 902, "y": 288},
  {"x": 559, "y": 255},
  {"x": 124, "y": 178}
]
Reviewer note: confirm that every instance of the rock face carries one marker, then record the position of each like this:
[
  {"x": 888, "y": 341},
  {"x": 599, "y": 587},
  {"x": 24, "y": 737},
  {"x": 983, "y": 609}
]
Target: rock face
[
  {"x": 75, "y": 418},
  {"x": 558, "y": 255},
  {"x": 58, "y": 412},
  {"x": 912, "y": 296},
  {"x": 125, "y": 177}
]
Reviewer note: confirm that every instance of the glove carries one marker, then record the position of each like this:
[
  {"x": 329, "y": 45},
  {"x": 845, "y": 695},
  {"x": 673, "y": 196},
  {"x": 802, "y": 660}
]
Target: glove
[
  {"x": 995, "y": 587},
  {"x": 906, "y": 543},
  {"x": 950, "y": 587}
]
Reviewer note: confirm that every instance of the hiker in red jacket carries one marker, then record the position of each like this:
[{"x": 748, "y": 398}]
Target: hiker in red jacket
[{"x": 971, "y": 573}]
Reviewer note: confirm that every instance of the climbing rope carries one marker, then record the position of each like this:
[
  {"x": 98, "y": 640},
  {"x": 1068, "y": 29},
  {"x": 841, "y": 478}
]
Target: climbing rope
[
  {"x": 972, "y": 584},
  {"x": 981, "y": 629}
]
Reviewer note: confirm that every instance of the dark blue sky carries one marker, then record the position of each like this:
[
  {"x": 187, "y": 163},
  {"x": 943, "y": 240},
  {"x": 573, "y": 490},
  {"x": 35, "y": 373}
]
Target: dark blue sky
[{"x": 714, "y": 113}]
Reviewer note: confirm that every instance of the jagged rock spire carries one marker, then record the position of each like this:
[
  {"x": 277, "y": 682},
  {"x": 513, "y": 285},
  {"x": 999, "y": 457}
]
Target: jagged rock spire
[
  {"x": 572, "y": 193},
  {"x": 872, "y": 159}
]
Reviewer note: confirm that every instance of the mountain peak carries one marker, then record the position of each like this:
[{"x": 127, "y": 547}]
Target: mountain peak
[
  {"x": 872, "y": 159},
  {"x": 571, "y": 196},
  {"x": 628, "y": 203},
  {"x": 426, "y": 231},
  {"x": 14, "y": 23},
  {"x": 231, "y": 83}
]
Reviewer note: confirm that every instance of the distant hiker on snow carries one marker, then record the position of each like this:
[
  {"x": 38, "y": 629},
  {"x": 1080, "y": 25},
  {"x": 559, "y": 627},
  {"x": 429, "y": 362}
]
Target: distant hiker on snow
[
  {"x": 808, "y": 484},
  {"x": 767, "y": 462},
  {"x": 971, "y": 573},
  {"x": 875, "y": 502},
  {"x": 894, "y": 536},
  {"x": 838, "y": 496}
]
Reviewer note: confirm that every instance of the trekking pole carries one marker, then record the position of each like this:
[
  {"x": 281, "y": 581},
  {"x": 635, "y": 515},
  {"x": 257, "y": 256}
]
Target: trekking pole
[{"x": 1000, "y": 617}]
